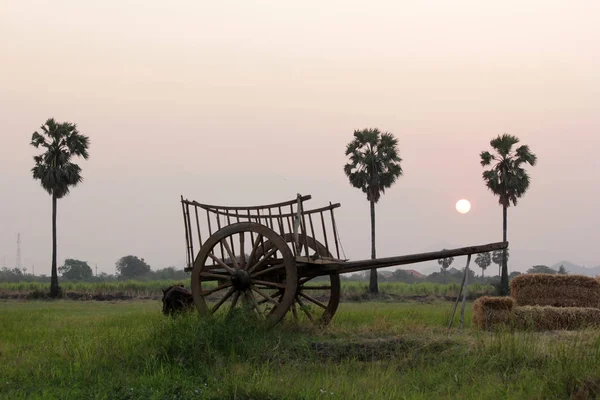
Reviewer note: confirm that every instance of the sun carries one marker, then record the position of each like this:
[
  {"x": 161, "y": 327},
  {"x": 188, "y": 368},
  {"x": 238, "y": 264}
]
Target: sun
[{"x": 463, "y": 206}]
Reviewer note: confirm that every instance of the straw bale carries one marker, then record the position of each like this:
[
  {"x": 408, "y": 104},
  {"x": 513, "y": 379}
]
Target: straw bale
[
  {"x": 555, "y": 290},
  {"x": 490, "y": 312},
  {"x": 555, "y": 318}
]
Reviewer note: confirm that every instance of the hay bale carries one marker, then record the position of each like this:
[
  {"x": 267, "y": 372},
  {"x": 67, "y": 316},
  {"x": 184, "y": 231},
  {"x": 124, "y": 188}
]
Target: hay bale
[
  {"x": 490, "y": 312},
  {"x": 549, "y": 318},
  {"x": 555, "y": 290}
]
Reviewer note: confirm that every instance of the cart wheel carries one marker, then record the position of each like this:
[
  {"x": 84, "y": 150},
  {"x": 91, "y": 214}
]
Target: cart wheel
[
  {"x": 315, "y": 299},
  {"x": 263, "y": 281}
]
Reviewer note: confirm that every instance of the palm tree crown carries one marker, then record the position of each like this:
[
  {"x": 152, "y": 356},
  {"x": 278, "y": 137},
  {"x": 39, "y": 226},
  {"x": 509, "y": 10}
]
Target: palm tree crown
[
  {"x": 507, "y": 179},
  {"x": 54, "y": 168},
  {"x": 374, "y": 162}
]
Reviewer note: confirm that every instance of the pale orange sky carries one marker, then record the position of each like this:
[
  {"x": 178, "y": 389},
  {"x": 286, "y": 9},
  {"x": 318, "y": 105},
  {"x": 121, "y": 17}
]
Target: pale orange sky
[{"x": 251, "y": 102}]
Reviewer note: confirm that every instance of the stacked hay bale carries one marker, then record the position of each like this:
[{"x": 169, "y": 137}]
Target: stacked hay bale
[
  {"x": 542, "y": 302},
  {"x": 490, "y": 312},
  {"x": 555, "y": 290}
]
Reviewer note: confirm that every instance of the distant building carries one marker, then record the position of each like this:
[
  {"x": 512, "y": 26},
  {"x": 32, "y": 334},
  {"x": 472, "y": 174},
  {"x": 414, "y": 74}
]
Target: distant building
[{"x": 414, "y": 273}]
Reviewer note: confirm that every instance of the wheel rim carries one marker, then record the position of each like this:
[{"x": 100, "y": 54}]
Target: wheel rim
[
  {"x": 316, "y": 300},
  {"x": 265, "y": 281}
]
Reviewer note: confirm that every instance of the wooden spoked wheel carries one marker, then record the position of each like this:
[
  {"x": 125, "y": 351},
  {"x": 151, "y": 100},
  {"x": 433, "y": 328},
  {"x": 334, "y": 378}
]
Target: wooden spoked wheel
[
  {"x": 317, "y": 299},
  {"x": 226, "y": 276}
]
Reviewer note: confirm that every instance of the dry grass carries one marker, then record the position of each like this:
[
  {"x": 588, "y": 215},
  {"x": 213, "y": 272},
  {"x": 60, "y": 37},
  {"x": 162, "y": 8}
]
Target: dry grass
[{"x": 556, "y": 290}]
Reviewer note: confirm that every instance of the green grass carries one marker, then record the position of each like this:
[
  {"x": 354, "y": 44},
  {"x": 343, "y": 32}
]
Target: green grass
[
  {"x": 350, "y": 290},
  {"x": 128, "y": 350}
]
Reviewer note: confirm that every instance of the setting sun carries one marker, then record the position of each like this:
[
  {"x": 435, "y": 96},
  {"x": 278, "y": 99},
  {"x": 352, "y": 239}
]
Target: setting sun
[{"x": 463, "y": 206}]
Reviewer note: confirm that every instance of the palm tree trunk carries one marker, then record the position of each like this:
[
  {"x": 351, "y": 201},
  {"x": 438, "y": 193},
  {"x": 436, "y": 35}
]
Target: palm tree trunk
[
  {"x": 373, "y": 288},
  {"x": 504, "y": 277},
  {"x": 54, "y": 289}
]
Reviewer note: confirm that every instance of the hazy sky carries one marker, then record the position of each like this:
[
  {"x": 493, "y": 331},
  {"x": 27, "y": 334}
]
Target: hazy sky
[{"x": 253, "y": 101}]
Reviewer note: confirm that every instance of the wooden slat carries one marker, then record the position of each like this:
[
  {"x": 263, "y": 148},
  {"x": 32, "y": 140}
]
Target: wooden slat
[{"x": 259, "y": 207}]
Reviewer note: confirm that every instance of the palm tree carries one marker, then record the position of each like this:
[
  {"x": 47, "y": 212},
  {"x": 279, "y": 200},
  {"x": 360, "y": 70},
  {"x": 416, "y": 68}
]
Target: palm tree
[
  {"x": 498, "y": 259},
  {"x": 483, "y": 260},
  {"x": 508, "y": 180},
  {"x": 374, "y": 166},
  {"x": 445, "y": 263},
  {"x": 56, "y": 171}
]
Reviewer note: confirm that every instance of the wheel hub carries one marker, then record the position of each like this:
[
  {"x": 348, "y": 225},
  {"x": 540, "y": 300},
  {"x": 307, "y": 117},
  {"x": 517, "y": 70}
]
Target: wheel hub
[{"x": 241, "y": 280}]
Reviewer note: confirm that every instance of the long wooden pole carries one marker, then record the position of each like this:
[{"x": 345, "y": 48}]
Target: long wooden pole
[{"x": 363, "y": 265}]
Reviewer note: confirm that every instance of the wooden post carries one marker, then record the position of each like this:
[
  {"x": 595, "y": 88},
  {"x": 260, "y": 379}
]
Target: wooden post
[
  {"x": 462, "y": 283},
  {"x": 464, "y": 302},
  {"x": 297, "y": 222}
]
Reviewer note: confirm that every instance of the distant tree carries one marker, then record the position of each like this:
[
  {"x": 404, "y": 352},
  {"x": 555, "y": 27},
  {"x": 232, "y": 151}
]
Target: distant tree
[
  {"x": 541, "y": 269},
  {"x": 75, "y": 270},
  {"x": 374, "y": 166},
  {"x": 483, "y": 260},
  {"x": 401, "y": 275},
  {"x": 445, "y": 264},
  {"x": 562, "y": 270},
  {"x": 513, "y": 274},
  {"x": 132, "y": 267},
  {"x": 508, "y": 180},
  {"x": 56, "y": 170},
  {"x": 498, "y": 257}
]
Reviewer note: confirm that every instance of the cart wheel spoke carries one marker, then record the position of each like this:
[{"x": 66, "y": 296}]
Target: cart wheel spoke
[
  {"x": 223, "y": 299},
  {"x": 254, "y": 303},
  {"x": 242, "y": 249},
  {"x": 267, "y": 298},
  {"x": 294, "y": 312},
  {"x": 305, "y": 309},
  {"x": 313, "y": 300},
  {"x": 315, "y": 288},
  {"x": 262, "y": 260},
  {"x": 269, "y": 284},
  {"x": 236, "y": 297},
  {"x": 268, "y": 270},
  {"x": 272, "y": 296},
  {"x": 259, "y": 239},
  {"x": 231, "y": 255},
  {"x": 214, "y": 275},
  {"x": 220, "y": 287},
  {"x": 221, "y": 263}
]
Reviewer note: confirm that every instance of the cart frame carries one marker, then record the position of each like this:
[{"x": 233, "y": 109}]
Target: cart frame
[{"x": 291, "y": 265}]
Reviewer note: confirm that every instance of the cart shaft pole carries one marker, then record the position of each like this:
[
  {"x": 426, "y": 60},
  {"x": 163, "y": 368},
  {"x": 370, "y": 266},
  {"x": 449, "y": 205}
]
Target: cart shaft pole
[{"x": 363, "y": 265}]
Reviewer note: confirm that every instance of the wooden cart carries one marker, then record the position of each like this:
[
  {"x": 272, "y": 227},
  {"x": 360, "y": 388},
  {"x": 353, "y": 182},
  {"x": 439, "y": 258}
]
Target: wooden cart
[{"x": 276, "y": 258}]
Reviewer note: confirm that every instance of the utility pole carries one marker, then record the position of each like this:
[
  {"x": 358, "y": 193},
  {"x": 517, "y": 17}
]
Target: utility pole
[
  {"x": 96, "y": 269},
  {"x": 18, "y": 266},
  {"x": 33, "y": 269}
]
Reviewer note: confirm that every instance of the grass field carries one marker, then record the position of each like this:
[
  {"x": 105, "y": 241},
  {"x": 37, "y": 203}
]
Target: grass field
[
  {"x": 350, "y": 290},
  {"x": 128, "y": 350}
]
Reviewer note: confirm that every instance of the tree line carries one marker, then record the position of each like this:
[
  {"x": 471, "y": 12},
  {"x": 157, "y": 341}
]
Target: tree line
[{"x": 127, "y": 267}]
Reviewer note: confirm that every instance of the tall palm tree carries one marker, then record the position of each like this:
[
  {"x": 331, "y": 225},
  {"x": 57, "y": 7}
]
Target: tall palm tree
[
  {"x": 56, "y": 171},
  {"x": 507, "y": 179},
  {"x": 483, "y": 260},
  {"x": 373, "y": 167}
]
